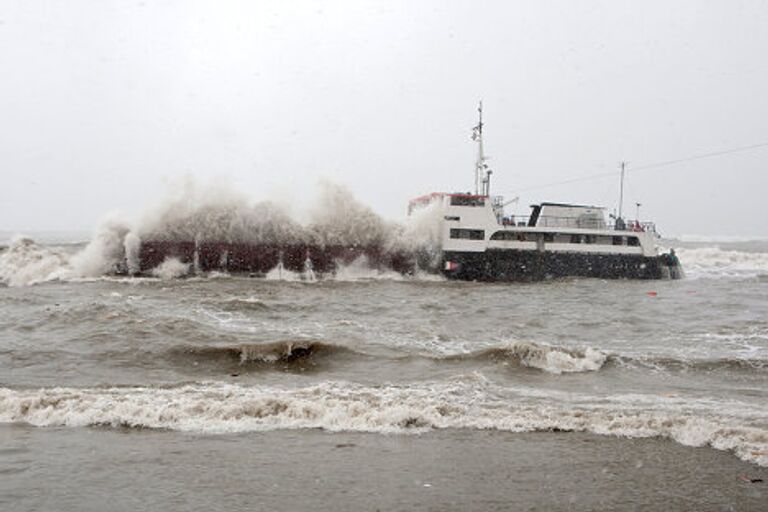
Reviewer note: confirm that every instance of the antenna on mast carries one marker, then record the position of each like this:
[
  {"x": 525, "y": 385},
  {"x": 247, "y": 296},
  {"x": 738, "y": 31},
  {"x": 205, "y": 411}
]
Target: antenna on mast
[
  {"x": 482, "y": 173},
  {"x": 621, "y": 189}
]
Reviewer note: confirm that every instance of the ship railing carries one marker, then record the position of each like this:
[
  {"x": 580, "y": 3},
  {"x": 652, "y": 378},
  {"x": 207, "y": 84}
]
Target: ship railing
[
  {"x": 550, "y": 221},
  {"x": 633, "y": 225}
]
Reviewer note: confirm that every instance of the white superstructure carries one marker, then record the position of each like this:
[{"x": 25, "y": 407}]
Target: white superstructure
[{"x": 476, "y": 223}]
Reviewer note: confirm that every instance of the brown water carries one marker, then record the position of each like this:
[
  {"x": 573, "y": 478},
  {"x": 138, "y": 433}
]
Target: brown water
[{"x": 374, "y": 391}]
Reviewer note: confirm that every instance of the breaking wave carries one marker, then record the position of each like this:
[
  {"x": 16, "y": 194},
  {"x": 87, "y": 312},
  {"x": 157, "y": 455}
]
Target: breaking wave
[
  {"x": 557, "y": 360},
  {"x": 285, "y": 351},
  {"x": 551, "y": 359},
  {"x": 171, "y": 268},
  {"x": 554, "y": 360},
  {"x": 715, "y": 262},
  {"x": 24, "y": 263},
  {"x": 215, "y": 213},
  {"x": 469, "y": 403}
]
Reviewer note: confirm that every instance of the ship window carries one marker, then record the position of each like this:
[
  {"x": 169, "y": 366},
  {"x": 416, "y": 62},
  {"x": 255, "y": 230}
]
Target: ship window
[
  {"x": 604, "y": 240},
  {"x": 519, "y": 236},
  {"x": 575, "y": 239},
  {"x": 468, "y": 234},
  {"x": 467, "y": 201},
  {"x": 618, "y": 240},
  {"x": 590, "y": 239},
  {"x": 451, "y": 217},
  {"x": 633, "y": 241},
  {"x": 504, "y": 235},
  {"x": 549, "y": 237}
]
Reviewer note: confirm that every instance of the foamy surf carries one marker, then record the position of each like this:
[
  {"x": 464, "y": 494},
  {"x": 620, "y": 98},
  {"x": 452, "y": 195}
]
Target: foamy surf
[
  {"x": 171, "y": 268},
  {"x": 551, "y": 359},
  {"x": 215, "y": 213},
  {"x": 717, "y": 263},
  {"x": 24, "y": 263},
  {"x": 467, "y": 403}
]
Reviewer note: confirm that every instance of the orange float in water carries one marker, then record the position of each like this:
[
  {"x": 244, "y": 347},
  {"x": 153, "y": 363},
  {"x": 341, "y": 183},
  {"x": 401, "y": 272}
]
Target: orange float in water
[{"x": 651, "y": 294}]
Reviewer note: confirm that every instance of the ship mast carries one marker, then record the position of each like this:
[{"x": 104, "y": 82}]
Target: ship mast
[
  {"x": 482, "y": 173},
  {"x": 621, "y": 189}
]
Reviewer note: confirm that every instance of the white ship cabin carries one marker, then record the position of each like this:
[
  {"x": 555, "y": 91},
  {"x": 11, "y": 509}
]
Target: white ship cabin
[{"x": 476, "y": 223}]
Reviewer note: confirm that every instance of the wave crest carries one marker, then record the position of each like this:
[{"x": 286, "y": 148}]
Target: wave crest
[
  {"x": 214, "y": 213},
  {"x": 24, "y": 262},
  {"x": 284, "y": 351},
  {"x": 551, "y": 359},
  {"x": 714, "y": 263},
  {"x": 221, "y": 408}
]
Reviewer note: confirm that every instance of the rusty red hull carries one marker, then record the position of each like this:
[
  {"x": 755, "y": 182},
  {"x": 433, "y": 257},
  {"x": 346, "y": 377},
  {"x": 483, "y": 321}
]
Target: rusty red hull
[{"x": 256, "y": 258}]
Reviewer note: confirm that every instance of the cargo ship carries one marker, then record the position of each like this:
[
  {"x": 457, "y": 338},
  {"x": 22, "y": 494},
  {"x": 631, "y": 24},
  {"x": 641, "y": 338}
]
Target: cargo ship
[
  {"x": 480, "y": 242},
  {"x": 476, "y": 241}
]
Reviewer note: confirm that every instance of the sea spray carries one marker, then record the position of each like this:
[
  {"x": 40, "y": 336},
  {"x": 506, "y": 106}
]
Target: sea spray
[
  {"x": 132, "y": 246},
  {"x": 717, "y": 262},
  {"x": 361, "y": 270},
  {"x": 421, "y": 234},
  {"x": 215, "y": 213},
  {"x": 24, "y": 262},
  {"x": 105, "y": 253},
  {"x": 171, "y": 268},
  {"x": 339, "y": 219}
]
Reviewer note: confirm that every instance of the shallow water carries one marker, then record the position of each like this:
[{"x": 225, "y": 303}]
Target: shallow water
[{"x": 233, "y": 359}]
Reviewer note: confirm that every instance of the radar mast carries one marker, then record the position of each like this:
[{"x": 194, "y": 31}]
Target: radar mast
[{"x": 482, "y": 173}]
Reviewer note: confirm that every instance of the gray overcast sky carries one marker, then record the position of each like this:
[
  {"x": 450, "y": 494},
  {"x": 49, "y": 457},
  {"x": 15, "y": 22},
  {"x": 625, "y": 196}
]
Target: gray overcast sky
[{"x": 102, "y": 103}]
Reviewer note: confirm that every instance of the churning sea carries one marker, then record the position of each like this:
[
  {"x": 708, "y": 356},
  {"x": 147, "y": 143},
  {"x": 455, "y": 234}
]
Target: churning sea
[{"x": 369, "y": 390}]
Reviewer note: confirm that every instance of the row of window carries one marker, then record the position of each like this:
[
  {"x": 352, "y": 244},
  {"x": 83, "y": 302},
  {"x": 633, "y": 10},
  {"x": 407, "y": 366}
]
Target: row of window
[
  {"x": 467, "y": 201},
  {"x": 563, "y": 238},
  {"x": 468, "y": 234}
]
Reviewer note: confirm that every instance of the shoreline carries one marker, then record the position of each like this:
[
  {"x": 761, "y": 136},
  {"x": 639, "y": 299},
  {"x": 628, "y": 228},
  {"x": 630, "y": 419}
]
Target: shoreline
[{"x": 128, "y": 469}]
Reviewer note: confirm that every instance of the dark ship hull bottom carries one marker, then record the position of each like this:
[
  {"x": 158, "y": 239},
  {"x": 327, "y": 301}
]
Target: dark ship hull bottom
[
  {"x": 491, "y": 265},
  {"x": 514, "y": 265}
]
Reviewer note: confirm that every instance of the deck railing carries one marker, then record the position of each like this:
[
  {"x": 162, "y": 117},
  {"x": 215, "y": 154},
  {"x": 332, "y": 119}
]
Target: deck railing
[{"x": 549, "y": 221}]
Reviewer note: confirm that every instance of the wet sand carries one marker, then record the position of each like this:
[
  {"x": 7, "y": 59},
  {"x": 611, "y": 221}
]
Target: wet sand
[{"x": 97, "y": 469}]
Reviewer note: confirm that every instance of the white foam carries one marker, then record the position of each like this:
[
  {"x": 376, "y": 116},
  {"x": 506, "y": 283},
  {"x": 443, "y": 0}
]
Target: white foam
[
  {"x": 422, "y": 231},
  {"x": 105, "y": 250},
  {"x": 467, "y": 402},
  {"x": 560, "y": 361},
  {"x": 24, "y": 263},
  {"x": 720, "y": 238},
  {"x": 171, "y": 268},
  {"x": 132, "y": 246},
  {"x": 280, "y": 273},
  {"x": 215, "y": 212},
  {"x": 555, "y": 359},
  {"x": 338, "y": 218},
  {"x": 713, "y": 262},
  {"x": 361, "y": 270}
]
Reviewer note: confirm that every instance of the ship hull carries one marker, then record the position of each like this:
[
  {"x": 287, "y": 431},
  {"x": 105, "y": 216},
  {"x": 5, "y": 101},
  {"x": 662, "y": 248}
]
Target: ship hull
[
  {"x": 490, "y": 265},
  {"x": 260, "y": 258},
  {"x": 516, "y": 265}
]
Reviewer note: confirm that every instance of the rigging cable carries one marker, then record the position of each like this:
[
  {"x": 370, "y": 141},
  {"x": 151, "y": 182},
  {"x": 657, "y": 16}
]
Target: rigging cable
[{"x": 650, "y": 166}]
